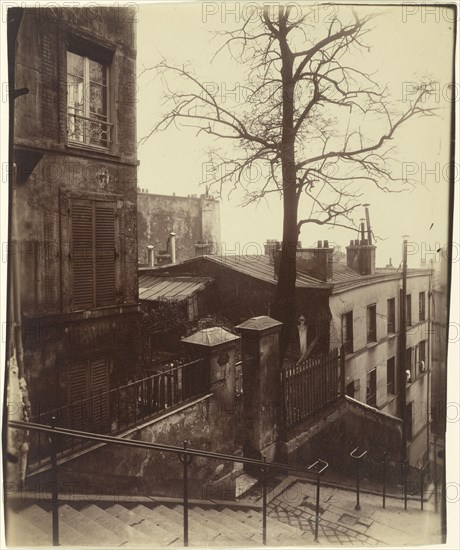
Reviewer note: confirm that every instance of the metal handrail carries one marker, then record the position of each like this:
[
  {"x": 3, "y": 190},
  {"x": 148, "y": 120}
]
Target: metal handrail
[
  {"x": 124, "y": 406},
  {"x": 184, "y": 453},
  {"x": 117, "y": 440}
]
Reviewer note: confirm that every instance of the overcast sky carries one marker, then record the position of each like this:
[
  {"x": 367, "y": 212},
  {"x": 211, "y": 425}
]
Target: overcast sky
[{"x": 406, "y": 46}]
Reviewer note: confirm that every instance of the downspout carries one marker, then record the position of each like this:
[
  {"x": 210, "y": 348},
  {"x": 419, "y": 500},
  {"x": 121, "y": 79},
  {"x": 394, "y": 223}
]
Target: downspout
[
  {"x": 402, "y": 355},
  {"x": 14, "y": 305},
  {"x": 15, "y": 382},
  {"x": 428, "y": 370}
]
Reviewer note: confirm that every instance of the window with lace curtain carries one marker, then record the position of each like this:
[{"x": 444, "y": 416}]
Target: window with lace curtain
[{"x": 88, "y": 120}]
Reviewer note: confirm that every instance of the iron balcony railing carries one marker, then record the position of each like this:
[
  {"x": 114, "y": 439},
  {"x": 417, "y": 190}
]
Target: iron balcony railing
[
  {"x": 88, "y": 131},
  {"x": 119, "y": 409}
]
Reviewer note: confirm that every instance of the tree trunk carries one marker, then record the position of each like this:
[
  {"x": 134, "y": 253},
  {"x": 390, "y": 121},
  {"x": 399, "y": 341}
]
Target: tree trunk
[{"x": 284, "y": 304}]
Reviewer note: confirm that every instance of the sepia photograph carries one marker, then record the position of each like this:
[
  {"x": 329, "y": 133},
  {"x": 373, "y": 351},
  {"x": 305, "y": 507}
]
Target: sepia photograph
[{"x": 229, "y": 277}]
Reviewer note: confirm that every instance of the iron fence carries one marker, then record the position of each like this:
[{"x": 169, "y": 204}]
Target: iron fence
[
  {"x": 309, "y": 387},
  {"x": 116, "y": 410}
]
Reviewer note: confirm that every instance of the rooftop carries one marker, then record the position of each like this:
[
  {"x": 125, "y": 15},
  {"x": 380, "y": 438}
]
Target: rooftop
[
  {"x": 259, "y": 267},
  {"x": 170, "y": 288}
]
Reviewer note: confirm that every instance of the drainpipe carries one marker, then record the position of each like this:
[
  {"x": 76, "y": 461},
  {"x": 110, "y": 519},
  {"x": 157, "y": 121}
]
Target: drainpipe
[
  {"x": 150, "y": 255},
  {"x": 402, "y": 354},
  {"x": 428, "y": 365},
  {"x": 172, "y": 247}
]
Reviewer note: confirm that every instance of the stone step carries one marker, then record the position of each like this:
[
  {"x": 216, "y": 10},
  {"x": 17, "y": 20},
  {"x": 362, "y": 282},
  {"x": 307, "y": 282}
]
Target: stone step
[
  {"x": 68, "y": 536},
  {"x": 221, "y": 521},
  {"x": 281, "y": 532},
  {"x": 18, "y": 535},
  {"x": 153, "y": 516},
  {"x": 223, "y": 537},
  {"x": 121, "y": 529},
  {"x": 88, "y": 527},
  {"x": 158, "y": 535},
  {"x": 198, "y": 533},
  {"x": 248, "y": 530}
]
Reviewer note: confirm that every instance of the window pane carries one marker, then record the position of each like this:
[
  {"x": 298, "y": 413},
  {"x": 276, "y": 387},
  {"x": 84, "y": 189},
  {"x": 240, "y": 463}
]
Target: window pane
[
  {"x": 87, "y": 104},
  {"x": 97, "y": 72},
  {"x": 97, "y": 99},
  {"x": 75, "y": 65},
  {"x": 75, "y": 95}
]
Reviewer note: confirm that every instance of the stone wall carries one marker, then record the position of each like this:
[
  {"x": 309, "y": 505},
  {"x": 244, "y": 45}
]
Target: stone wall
[
  {"x": 152, "y": 473},
  {"x": 194, "y": 219},
  {"x": 336, "y": 431},
  {"x": 51, "y": 171}
]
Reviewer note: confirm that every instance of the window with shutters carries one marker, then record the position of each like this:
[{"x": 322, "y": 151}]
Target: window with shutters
[
  {"x": 372, "y": 323},
  {"x": 88, "y": 120},
  {"x": 371, "y": 388},
  {"x": 408, "y": 310},
  {"x": 391, "y": 376},
  {"x": 347, "y": 331},
  {"x": 391, "y": 316},
  {"x": 421, "y": 306},
  {"x": 88, "y": 395},
  {"x": 93, "y": 253}
]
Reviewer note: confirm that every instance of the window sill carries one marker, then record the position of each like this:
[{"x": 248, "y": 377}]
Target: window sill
[
  {"x": 372, "y": 344},
  {"x": 91, "y": 149},
  {"x": 93, "y": 313}
]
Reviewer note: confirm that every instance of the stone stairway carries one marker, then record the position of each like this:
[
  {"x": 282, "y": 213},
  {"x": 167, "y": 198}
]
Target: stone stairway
[{"x": 140, "y": 524}]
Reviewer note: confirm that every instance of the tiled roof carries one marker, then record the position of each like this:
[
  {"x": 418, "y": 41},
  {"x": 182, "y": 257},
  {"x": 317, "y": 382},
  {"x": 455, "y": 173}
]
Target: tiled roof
[
  {"x": 170, "y": 288},
  {"x": 345, "y": 277},
  {"x": 259, "y": 267}
]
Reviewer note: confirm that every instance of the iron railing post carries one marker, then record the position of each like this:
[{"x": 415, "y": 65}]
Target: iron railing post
[
  {"x": 405, "y": 469},
  {"x": 422, "y": 481},
  {"x": 319, "y": 470},
  {"x": 384, "y": 479},
  {"x": 54, "y": 485},
  {"x": 358, "y": 458},
  {"x": 186, "y": 461},
  {"x": 263, "y": 470}
]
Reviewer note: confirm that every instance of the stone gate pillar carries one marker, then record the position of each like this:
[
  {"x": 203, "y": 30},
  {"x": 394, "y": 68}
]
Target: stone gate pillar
[
  {"x": 219, "y": 346},
  {"x": 261, "y": 386}
]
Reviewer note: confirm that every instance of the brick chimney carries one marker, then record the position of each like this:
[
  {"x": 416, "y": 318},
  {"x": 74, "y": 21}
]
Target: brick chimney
[
  {"x": 316, "y": 262},
  {"x": 361, "y": 252},
  {"x": 272, "y": 247}
]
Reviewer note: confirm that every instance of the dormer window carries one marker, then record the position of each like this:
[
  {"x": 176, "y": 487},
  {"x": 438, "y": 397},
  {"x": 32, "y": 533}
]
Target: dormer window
[{"x": 88, "y": 121}]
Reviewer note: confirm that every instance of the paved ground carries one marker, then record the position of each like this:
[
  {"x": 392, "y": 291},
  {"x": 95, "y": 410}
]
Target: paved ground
[{"x": 341, "y": 524}]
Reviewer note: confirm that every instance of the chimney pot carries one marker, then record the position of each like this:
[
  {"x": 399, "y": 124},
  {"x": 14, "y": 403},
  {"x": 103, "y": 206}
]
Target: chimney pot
[
  {"x": 150, "y": 255},
  {"x": 320, "y": 244},
  {"x": 326, "y": 244},
  {"x": 172, "y": 245}
]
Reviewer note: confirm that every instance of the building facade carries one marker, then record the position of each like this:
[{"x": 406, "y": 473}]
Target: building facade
[
  {"x": 194, "y": 220},
  {"x": 366, "y": 321},
  {"x": 75, "y": 201}
]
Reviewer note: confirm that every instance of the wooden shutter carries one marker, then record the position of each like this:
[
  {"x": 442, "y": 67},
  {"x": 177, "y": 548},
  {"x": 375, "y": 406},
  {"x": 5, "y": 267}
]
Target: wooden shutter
[
  {"x": 93, "y": 254},
  {"x": 105, "y": 253},
  {"x": 99, "y": 383},
  {"x": 88, "y": 386},
  {"x": 78, "y": 396},
  {"x": 82, "y": 255}
]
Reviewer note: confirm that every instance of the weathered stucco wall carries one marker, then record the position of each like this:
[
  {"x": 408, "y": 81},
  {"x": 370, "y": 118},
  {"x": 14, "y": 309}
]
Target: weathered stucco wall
[
  {"x": 51, "y": 171},
  {"x": 150, "y": 473},
  {"x": 338, "y": 431},
  {"x": 193, "y": 219},
  {"x": 368, "y": 356}
]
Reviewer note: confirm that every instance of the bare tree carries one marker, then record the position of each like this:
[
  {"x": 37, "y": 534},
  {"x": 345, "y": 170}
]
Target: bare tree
[{"x": 321, "y": 127}]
